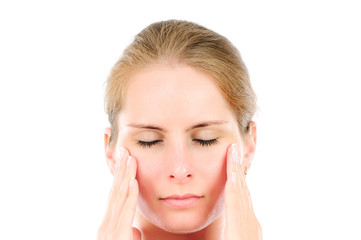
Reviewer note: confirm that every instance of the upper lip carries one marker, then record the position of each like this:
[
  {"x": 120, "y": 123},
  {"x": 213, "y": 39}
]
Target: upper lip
[{"x": 185, "y": 196}]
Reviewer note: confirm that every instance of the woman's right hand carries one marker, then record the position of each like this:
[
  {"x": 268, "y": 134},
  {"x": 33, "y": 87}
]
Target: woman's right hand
[{"x": 122, "y": 203}]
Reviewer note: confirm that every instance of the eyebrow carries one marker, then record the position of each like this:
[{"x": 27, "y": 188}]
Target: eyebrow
[{"x": 198, "y": 125}]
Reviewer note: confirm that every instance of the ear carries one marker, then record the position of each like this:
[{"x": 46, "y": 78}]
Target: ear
[
  {"x": 250, "y": 141},
  {"x": 109, "y": 151}
]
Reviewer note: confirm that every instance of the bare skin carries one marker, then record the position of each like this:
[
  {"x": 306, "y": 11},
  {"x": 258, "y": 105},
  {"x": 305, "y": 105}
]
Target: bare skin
[
  {"x": 118, "y": 220},
  {"x": 176, "y": 161},
  {"x": 240, "y": 220}
]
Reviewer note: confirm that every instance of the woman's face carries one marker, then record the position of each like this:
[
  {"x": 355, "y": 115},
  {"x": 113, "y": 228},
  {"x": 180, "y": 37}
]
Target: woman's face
[{"x": 177, "y": 125}]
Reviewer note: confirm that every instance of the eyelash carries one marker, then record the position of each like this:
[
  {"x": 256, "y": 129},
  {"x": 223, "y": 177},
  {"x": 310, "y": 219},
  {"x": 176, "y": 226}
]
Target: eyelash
[
  {"x": 148, "y": 144},
  {"x": 203, "y": 143}
]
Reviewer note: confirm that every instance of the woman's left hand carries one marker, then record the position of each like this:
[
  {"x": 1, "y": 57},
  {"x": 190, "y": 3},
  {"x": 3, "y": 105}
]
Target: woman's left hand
[{"x": 241, "y": 222}]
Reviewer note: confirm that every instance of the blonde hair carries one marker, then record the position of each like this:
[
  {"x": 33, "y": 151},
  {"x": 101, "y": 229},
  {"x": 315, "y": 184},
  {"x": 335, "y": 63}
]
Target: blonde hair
[{"x": 192, "y": 44}]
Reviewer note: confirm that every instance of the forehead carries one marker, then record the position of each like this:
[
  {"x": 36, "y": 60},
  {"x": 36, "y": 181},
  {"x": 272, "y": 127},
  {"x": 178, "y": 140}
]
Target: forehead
[{"x": 163, "y": 93}]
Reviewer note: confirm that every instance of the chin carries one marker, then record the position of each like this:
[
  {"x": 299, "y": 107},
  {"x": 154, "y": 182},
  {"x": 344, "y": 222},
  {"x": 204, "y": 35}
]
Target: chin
[{"x": 184, "y": 222}]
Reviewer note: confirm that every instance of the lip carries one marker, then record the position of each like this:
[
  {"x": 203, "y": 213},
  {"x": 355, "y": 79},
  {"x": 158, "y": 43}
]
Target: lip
[{"x": 184, "y": 201}]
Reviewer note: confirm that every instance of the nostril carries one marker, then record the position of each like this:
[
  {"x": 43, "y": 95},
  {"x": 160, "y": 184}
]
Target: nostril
[{"x": 188, "y": 176}]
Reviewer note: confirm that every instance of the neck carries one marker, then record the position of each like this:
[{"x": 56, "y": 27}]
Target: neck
[{"x": 151, "y": 232}]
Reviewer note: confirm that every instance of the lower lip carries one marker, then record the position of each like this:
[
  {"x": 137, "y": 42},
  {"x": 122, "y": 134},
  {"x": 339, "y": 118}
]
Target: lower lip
[{"x": 181, "y": 203}]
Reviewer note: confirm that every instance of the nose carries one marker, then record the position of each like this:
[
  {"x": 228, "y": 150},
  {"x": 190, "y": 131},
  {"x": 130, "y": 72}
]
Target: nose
[
  {"x": 180, "y": 167},
  {"x": 180, "y": 176}
]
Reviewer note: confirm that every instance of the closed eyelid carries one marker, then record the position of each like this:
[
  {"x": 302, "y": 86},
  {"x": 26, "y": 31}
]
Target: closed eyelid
[
  {"x": 206, "y": 132},
  {"x": 201, "y": 142},
  {"x": 148, "y": 135}
]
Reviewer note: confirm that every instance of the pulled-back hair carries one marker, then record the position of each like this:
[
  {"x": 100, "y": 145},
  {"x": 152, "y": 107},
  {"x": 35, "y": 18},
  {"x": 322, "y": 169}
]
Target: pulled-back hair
[{"x": 176, "y": 41}]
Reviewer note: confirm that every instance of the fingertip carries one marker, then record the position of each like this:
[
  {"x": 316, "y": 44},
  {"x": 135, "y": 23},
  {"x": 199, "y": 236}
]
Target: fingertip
[
  {"x": 132, "y": 166},
  {"x": 230, "y": 152},
  {"x": 231, "y": 162},
  {"x": 233, "y": 178},
  {"x": 119, "y": 154},
  {"x": 232, "y": 149},
  {"x": 133, "y": 185},
  {"x": 131, "y": 182}
]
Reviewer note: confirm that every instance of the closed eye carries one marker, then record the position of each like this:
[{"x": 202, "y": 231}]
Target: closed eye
[
  {"x": 203, "y": 143},
  {"x": 148, "y": 144},
  {"x": 206, "y": 143}
]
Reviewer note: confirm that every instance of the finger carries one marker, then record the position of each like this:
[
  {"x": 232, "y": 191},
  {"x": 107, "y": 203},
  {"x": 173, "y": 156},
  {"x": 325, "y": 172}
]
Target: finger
[
  {"x": 241, "y": 157},
  {"x": 130, "y": 205},
  {"x": 231, "y": 160},
  {"x": 232, "y": 208},
  {"x": 243, "y": 190},
  {"x": 235, "y": 177},
  {"x": 232, "y": 184},
  {"x": 234, "y": 167},
  {"x": 120, "y": 157},
  {"x": 246, "y": 196},
  {"x": 124, "y": 228},
  {"x": 241, "y": 178},
  {"x": 120, "y": 168},
  {"x": 124, "y": 190}
]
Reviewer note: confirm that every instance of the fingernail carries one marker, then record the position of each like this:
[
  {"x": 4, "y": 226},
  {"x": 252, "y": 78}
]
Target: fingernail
[
  {"x": 233, "y": 178},
  {"x": 118, "y": 156},
  {"x": 128, "y": 161},
  {"x": 234, "y": 152},
  {"x": 131, "y": 181},
  {"x": 119, "y": 153}
]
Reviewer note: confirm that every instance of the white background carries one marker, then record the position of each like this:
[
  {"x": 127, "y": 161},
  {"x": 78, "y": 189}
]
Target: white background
[{"x": 304, "y": 62}]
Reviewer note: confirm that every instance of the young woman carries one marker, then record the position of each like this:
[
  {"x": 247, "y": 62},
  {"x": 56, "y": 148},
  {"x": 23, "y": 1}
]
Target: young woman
[{"x": 180, "y": 105}]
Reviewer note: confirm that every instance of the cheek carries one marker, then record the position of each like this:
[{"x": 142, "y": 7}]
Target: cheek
[
  {"x": 148, "y": 172},
  {"x": 211, "y": 161},
  {"x": 211, "y": 167}
]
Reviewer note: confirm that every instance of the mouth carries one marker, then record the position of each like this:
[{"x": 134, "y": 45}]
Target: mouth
[{"x": 184, "y": 201}]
